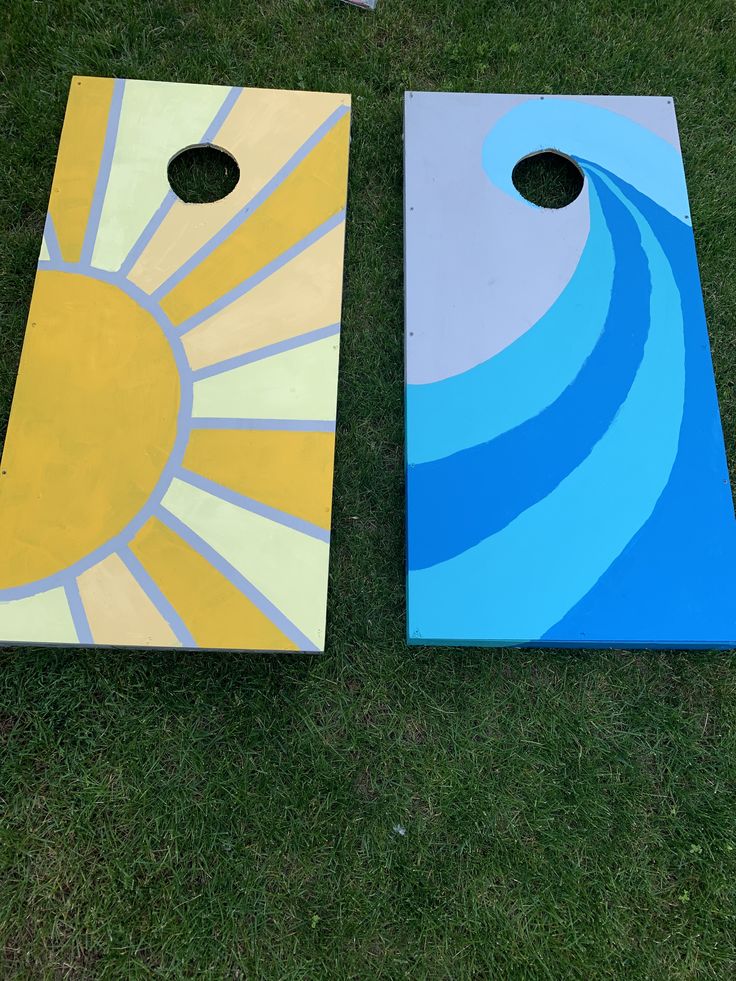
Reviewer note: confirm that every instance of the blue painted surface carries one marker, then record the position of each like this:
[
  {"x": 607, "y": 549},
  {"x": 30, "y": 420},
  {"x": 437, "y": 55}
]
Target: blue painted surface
[
  {"x": 603, "y": 518},
  {"x": 537, "y": 455}
]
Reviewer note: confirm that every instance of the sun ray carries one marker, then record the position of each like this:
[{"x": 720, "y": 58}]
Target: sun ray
[
  {"x": 149, "y": 586},
  {"x": 119, "y": 611},
  {"x": 158, "y": 119},
  {"x": 262, "y": 275},
  {"x": 251, "y": 504},
  {"x": 218, "y": 605},
  {"x": 297, "y": 384},
  {"x": 288, "y": 567},
  {"x": 266, "y": 132},
  {"x": 81, "y": 147},
  {"x": 220, "y": 234},
  {"x": 44, "y": 618},
  {"x": 259, "y": 354},
  {"x": 170, "y": 199},
  {"x": 312, "y": 194},
  {"x": 103, "y": 173},
  {"x": 298, "y": 297},
  {"x": 285, "y": 470}
]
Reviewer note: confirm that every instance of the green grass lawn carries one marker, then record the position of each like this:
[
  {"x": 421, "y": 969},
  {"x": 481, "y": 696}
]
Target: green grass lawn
[{"x": 566, "y": 815}]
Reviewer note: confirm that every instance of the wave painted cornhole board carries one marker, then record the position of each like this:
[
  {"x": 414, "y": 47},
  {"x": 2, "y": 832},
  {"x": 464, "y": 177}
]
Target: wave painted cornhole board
[
  {"x": 566, "y": 475},
  {"x": 167, "y": 473}
]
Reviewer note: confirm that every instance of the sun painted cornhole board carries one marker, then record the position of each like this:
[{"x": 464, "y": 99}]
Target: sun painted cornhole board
[
  {"x": 167, "y": 472},
  {"x": 566, "y": 475}
]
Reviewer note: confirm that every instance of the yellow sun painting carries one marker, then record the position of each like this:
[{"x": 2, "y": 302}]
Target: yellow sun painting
[{"x": 167, "y": 473}]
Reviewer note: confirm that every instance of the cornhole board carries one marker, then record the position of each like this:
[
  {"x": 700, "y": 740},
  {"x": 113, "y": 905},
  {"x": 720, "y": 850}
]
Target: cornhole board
[
  {"x": 167, "y": 473},
  {"x": 566, "y": 475}
]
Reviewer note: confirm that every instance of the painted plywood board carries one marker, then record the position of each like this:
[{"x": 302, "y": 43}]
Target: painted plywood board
[
  {"x": 566, "y": 475},
  {"x": 167, "y": 472}
]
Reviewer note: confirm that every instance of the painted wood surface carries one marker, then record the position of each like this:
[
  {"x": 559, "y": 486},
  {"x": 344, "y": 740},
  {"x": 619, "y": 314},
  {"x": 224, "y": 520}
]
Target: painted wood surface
[
  {"x": 566, "y": 474},
  {"x": 167, "y": 472}
]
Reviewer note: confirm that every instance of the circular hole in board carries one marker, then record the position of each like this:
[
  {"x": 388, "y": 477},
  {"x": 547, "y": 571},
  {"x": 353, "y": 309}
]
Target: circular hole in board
[
  {"x": 548, "y": 179},
  {"x": 203, "y": 174}
]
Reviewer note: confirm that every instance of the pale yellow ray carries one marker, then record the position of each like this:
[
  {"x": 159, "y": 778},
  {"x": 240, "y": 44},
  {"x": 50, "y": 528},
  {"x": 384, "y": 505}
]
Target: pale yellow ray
[
  {"x": 118, "y": 611},
  {"x": 287, "y": 566},
  {"x": 263, "y": 131},
  {"x": 41, "y": 619},
  {"x": 291, "y": 471},
  {"x": 157, "y": 119},
  {"x": 312, "y": 193},
  {"x": 303, "y": 295},
  {"x": 78, "y": 161},
  {"x": 44, "y": 250},
  {"x": 297, "y": 384},
  {"x": 216, "y": 613}
]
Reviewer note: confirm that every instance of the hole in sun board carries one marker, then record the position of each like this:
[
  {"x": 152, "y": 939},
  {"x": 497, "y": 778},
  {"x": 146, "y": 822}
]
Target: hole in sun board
[
  {"x": 548, "y": 179},
  {"x": 203, "y": 174}
]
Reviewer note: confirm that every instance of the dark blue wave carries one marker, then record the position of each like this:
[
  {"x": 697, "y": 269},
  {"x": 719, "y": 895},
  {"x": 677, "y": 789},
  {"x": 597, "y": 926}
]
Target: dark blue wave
[
  {"x": 460, "y": 500},
  {"x": 675, "y": 582}
]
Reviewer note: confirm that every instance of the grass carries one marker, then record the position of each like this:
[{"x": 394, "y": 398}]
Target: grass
[{"x": 566, "y": 815}]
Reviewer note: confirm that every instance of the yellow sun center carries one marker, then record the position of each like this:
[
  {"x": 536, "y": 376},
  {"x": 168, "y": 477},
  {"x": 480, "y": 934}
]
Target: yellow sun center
[{"x": 93, "y": 424}]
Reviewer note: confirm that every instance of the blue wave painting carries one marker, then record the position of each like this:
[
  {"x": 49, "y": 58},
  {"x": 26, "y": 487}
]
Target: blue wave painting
[{"x": 566, "y": 475}]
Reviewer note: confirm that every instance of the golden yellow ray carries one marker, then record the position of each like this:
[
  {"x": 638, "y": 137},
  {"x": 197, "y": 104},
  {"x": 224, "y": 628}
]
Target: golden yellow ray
[
  {"x": 303, "y": 295},
  {"x": 263, "y": 130},
  {"x": 216, "y": 613},
  {"x": 78, "y": 161},
  {"x": 312, "y": 193},
  {"x": 117, "y": 609},
  {"x": 291, "y": 471}
]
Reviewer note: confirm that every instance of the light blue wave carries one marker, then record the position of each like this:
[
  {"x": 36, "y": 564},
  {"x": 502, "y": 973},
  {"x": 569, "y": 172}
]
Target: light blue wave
[
  {"x": 516, "y": 384},
  {"x": 578, "y": 129},
  {"x": 516, "y": 584}
]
